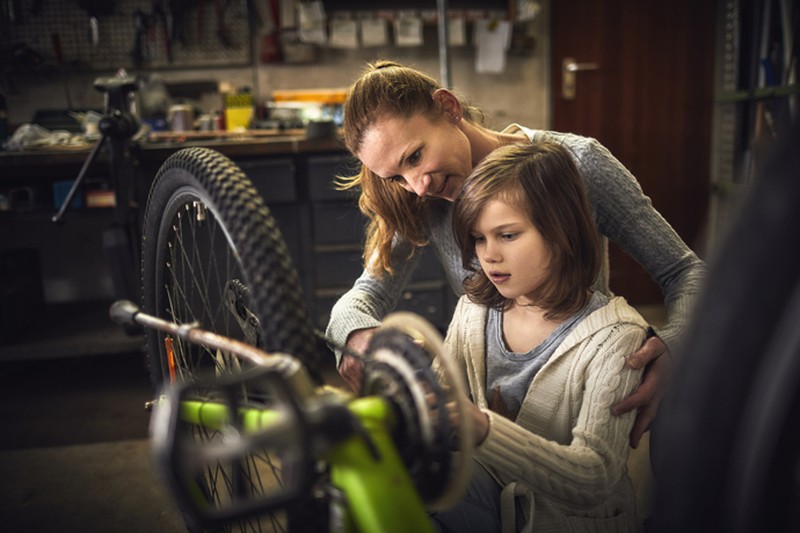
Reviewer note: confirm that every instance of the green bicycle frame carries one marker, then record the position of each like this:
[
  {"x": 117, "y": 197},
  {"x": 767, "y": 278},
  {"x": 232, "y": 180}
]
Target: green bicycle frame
[{"x": 379, "y": 495}]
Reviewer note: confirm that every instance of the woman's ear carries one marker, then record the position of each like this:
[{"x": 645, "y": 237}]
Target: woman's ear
[{"x": 448, "y": 103}]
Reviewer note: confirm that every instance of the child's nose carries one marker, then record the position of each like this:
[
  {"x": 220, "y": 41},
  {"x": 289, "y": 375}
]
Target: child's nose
[{"x": 490, "y": 252}]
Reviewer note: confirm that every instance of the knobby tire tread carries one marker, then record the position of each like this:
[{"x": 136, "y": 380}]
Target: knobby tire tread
[{"x": 270, "y": 274}]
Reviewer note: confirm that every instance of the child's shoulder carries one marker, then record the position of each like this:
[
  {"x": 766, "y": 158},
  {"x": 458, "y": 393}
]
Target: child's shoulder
[{"x": 619, "y": 315}]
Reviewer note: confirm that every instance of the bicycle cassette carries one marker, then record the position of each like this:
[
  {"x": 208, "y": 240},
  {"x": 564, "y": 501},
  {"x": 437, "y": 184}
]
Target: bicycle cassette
[{"x": 398, "y": 367}]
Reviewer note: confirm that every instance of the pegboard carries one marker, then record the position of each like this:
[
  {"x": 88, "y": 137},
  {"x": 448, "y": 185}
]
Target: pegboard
[{"x": 208, "y": 33}]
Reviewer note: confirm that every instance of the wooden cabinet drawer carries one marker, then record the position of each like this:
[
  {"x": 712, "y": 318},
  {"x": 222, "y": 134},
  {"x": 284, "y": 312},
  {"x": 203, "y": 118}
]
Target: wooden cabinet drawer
[
  {"x": 337, "y": 269},
  {"x": 274, "y": 179},
  {"x": 428, "y": 267},
  {"x": 428, "y": 303},
  {"x": 427, "y": 300},
  {"x": 322, "y": 171},
  {"x": 338, "y": 223},
  {"x": 288, "y": 222}
]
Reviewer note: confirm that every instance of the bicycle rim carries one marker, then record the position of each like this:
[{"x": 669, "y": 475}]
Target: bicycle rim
[{"x": 207, "y": 230}]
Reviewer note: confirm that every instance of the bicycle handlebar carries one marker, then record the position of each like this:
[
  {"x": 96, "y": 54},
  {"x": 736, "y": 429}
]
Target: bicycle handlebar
[{"x": 124, "y": 312}]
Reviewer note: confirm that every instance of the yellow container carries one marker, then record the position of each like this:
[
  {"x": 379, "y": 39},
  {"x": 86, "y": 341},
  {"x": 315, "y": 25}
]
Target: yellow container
[
  {"x": 237, "y": 118},
  {"x": 238, "y": 111}
]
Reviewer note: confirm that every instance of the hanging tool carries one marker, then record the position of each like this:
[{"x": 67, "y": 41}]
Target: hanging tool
[
  {"x": 163, "y": 15},
  {"x": 221, "y": 6},
  {"x": 59, "y": 55},
  {"x": 96, "y": 9},
  {"x": 142, "y": 23}
]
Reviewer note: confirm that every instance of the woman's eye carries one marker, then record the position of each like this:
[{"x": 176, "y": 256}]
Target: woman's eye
[
  {"x": 508, "y": 236},
  {"x": 414, "y": 157},
  {"x": 478, "y": 239},
  {"x": 397, "y": 179}
]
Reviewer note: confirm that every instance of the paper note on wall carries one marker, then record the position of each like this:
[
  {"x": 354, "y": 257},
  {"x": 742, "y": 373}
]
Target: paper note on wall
[
  {"x": 374, "y": 32},
  {"x": 492, "y": 39},
  {"x": 408, "y": 31},
  {"x": 456, "y": 32},
  {"x": 344, "y": 33},
  {"x": 312, "y": 22}
]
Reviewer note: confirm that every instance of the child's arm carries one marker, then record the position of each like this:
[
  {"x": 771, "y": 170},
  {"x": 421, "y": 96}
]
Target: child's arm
[{"x": 584, "y": 471}]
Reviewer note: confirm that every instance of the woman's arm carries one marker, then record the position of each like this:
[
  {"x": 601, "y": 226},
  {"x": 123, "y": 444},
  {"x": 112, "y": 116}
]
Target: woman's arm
[
  {"x": 626, "y": 216},
  {"x": 370, "y": 299}
]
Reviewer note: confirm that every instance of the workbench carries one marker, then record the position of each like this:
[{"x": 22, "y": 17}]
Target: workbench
[{"x": 321, "y": 225}]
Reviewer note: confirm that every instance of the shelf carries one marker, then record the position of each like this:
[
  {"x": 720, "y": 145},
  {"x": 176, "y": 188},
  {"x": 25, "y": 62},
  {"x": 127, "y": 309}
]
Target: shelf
[
  {"x": 762, "y": 93},
  {"x": 70, "y": 330}
]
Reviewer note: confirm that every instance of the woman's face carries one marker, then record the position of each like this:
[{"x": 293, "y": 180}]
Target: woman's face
[
  {"x": 426, "y": 157},
  {"x": 511, "y": 251}
]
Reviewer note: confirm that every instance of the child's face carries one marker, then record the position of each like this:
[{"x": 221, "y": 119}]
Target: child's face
[{"x": 511, "y": 251}]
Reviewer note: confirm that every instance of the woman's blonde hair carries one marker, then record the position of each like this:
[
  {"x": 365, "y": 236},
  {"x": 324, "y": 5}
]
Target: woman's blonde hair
[
  {"x": 541, "y": 180},
  {"x": 387, "y": 89}
]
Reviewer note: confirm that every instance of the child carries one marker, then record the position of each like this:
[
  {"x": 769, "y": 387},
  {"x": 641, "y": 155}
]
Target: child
[{"x": 543, "y": 355}]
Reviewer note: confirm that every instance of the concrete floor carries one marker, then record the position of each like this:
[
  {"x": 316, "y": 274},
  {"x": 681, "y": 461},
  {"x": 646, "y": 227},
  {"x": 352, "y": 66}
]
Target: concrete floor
[{"x": 75, "y": 455}]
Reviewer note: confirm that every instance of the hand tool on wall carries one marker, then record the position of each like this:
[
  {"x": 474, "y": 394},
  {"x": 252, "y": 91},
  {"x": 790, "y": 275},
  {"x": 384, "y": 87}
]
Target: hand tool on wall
[
  {"x": 178, "y": 10},
  {"x": 163, "y": 16},
  {"x": 59, "y": 55},
  {"x": 96, "y": 9},
  {"x": 141, "y": 22},
  {"x": 221, "y": 6}
]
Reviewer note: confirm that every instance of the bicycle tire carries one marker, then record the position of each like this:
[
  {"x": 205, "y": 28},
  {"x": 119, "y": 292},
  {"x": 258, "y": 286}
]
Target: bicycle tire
[
  {"x": 205, "y": 225},
  {"x": 196, "y": 179}
]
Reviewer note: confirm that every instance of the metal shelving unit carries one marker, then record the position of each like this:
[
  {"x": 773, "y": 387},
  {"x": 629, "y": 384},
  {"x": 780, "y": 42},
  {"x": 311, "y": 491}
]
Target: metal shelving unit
[{"x": 756, "y": 97}]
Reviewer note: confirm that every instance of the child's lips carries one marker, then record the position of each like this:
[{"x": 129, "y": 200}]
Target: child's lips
[{"x": 498, "y": 277}]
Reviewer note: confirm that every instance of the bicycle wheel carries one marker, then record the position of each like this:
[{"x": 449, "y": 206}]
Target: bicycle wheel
[
  {"x": 213, "y": 255},
  {"x": 207, "y": 232}
]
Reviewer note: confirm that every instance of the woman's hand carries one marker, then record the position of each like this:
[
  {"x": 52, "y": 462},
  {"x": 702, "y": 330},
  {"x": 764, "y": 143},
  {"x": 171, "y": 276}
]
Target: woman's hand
[
  {"x": 352, "y": 368},
  {"x": 654, "y": 357}
]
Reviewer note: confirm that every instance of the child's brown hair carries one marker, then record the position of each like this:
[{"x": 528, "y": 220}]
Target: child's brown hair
[{"x": 542, "y": 181}]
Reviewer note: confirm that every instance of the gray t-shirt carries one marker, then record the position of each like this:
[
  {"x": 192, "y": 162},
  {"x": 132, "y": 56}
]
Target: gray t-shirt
[{"x": 509, "y": 374}]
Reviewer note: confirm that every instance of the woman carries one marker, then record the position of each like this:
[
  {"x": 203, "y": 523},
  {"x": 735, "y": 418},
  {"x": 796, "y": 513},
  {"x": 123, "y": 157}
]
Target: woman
[
  {"x": 542, "y": 353},
  {"x": 417, "y": 143}
]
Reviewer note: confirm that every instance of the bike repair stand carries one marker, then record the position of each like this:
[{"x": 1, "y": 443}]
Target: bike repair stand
[{"x": 121, "y": 240}]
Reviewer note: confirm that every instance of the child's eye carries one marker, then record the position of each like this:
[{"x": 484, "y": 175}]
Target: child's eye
[
  {"x": 508, "y": 236},
  {"x": 478, "y": 238}
]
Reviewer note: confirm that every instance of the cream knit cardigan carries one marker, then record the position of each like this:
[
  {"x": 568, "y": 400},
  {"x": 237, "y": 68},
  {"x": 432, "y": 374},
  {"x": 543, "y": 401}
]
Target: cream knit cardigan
[{"x": 566, "y": 453}]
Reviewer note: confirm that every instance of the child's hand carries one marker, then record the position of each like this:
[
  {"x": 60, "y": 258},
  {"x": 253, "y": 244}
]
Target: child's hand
[{"x": 480, "y": 420}]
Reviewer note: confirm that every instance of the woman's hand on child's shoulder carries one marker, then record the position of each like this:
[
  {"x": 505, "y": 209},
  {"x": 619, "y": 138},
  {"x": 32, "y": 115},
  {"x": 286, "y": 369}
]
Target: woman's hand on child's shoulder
[{"x": 654, "y": 357}]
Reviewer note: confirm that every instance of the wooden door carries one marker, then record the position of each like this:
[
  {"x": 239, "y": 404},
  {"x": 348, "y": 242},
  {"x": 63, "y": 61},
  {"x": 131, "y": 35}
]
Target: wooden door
[{"x": 649, "y": 101}]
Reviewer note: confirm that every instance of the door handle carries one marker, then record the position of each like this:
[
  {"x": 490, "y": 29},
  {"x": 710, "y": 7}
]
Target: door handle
[{"x": 568, "y": 69}]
